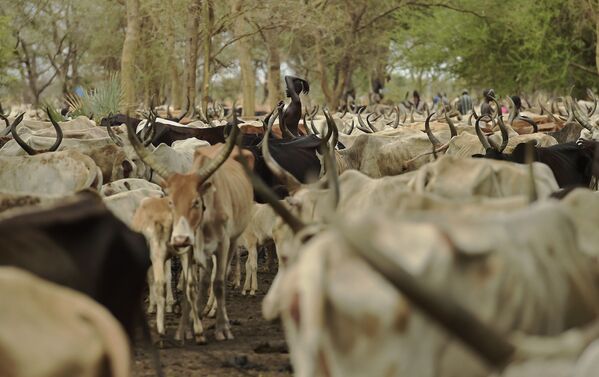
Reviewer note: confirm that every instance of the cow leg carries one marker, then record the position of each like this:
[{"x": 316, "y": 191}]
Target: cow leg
[
  {"x": 210, "y": 308},
  {"x": 151, "y": 296},
  {"x": 271, "y": 255},
  {"x": 159, "y": 294},
  {"x": 237, "y": 272},
  {"x": 223, "y": 328},
  {"x": 168, "y": 276},
  {"x": 189, "y": 306},
  {"x": 251, "y": 270}
]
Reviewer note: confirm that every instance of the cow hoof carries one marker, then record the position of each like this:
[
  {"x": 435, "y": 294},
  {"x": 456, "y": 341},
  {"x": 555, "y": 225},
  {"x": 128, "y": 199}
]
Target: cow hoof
[
  {"x": 253, "y": 293},
  {"x": 200, "y": 339},
  {"x": 169, "y": 308},
  {"x": 151, "y": 310},
  {"x": 188, "y": 335},
  {"x": 243, "y": 292}
]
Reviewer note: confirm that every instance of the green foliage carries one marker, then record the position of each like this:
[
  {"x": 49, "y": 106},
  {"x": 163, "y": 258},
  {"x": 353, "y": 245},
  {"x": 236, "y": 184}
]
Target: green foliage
[
  {"x": 105, "y": 99},
  {"x": 513, "y": 45}
]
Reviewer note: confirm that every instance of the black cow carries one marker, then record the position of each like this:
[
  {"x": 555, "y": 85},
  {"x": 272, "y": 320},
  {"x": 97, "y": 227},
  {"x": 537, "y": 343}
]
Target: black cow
[
  {"x": 167, "y": 134},
  {"x": 81, "y": 245},
  {"x": 297, "y": 156},
  {"x": 571, "y": 163}
]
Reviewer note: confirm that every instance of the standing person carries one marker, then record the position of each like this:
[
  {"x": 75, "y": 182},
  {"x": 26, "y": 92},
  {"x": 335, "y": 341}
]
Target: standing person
[
  {"x": 416, "y": 100},
  {"x": 465, "y": 103},
  {"x": 485, "y": 107},
  {"x": 293, "y": 112}
]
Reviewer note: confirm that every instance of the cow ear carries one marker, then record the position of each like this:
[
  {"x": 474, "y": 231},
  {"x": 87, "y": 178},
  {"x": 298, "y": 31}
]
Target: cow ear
[
  {"x": 127, "y": 168},
  {"x": 204, "y": 187},
  {"x": 239, "y": 154}
]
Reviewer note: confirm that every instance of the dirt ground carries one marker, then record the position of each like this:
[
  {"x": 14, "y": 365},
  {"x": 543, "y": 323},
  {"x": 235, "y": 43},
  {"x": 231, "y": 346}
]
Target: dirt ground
[{"x": 255, "y": 351}]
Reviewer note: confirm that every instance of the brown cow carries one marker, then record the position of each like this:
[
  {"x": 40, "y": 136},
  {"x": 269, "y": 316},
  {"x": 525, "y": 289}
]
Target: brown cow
[{"x": 210, "y": 206}]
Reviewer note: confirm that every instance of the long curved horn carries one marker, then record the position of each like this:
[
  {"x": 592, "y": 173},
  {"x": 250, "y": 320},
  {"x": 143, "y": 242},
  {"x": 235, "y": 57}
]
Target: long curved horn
[
  {"x": 6, "y": 130},
  {"x": 535, "y": 128},
  {"x": 344, "y": 112},
  {"x": 314, "y": 129},
  {"x": 15, "y": 122},
  {"x": 283, "y": 175},
  {"x": 306, "y": 126},
  {"x": 330, "y": 165},
  {"x": 145, "y": 155},
  {"x": 148, "y": 135},
  {"x": 29, "y": 149},
  {"x": 370, "y": 125},
  {"x": 58, "y": 132},
  {"x": 314, "y": 111},
  {"x": 286, "y": 133},
  {"x": 117, "y": 140},
  {"x": 187, "y": 106},
  {"x": 272, "y": 199},
  {"x": 578, "y": 115},
  {"x": 206, "y": 172},
  {"x": 513, "y": 112},
  {"x": 504, "y": 132},
  {"x": 396, "y": 121},
  {"x": 351, "y": 128},
  {"x": 427, "y": 127},
  {"x": 549, "y": 113},
  {"x": 362, "y": 126},
  {"x": 592, "y": 95},
  {"x": 473, "y": 114},
  {"x": 452, "y": 130},
  {"x": 481, "y": 137},
  {"x": 505, "y": 137}
]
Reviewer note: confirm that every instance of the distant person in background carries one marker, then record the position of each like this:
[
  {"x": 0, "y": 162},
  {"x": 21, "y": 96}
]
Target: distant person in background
[
  {"x": 485, "y": 107},
  {"x": 416, "y": 100},
  {"x": 293, "y": 112},
  {"x": 465, "y": 103},
  {"x": 437, "y": 99}
]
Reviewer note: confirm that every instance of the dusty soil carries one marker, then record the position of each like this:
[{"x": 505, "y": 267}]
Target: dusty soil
[{"x": 255, "y": 351}]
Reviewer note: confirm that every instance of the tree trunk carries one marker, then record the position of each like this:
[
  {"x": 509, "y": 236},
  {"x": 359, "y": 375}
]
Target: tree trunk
[
  {"x": 248, "y": 74},
  {"x": 274, "y": 69},
  {"x": 128, "y": 56},
  {"x": 191, "y": 60},
  {"x": 333, "y": 95},
  {"x": 174, "y": 79},
  {"x": 208, "y": 13},
  {"x": 597, "y": 41}
]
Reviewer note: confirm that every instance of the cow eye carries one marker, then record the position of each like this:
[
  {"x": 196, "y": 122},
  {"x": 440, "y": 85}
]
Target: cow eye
[
  {"x": 170, "y": 203},
  {"x": 196, "y": 203}
]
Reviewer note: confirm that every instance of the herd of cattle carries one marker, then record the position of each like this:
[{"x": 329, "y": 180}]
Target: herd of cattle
[{"x": 408, "y": 244}]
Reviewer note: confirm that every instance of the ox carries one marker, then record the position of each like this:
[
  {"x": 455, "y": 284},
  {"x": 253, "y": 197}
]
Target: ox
[
  {"x": 210, "y": 208},
  {"x": 571, "y": 163},
  {"x": 81, "y": 245},
  {"x": 49, "y": 330}
]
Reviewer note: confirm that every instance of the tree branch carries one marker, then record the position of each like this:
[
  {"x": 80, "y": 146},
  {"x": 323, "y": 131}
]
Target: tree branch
[{"x": 584, "y": 68}]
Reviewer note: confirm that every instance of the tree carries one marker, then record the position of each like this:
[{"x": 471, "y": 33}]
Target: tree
[{"x": 130, "y": 47}]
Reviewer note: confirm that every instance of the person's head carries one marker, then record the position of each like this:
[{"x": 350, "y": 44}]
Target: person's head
[
  {"x": 416, "y": 94},
  {"x": 465, "y": 93},
  {"x": 489, "y": 94}
]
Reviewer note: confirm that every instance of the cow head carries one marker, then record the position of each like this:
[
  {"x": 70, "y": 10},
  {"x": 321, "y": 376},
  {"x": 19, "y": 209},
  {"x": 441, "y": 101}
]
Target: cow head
[{"x": 491, "y": 149}]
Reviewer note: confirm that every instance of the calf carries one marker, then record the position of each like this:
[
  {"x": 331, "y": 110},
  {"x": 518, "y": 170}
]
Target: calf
[
  {"x": 153, "y": 219},
  {"x": 258, "y": 231}
]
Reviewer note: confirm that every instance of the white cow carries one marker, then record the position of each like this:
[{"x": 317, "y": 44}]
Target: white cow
[{"x": 50, "y": 330}]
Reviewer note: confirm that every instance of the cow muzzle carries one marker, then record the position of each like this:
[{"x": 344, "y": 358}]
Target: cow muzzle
[{"x": 182, "y": 234}]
